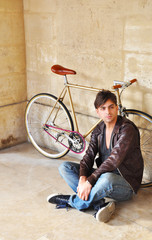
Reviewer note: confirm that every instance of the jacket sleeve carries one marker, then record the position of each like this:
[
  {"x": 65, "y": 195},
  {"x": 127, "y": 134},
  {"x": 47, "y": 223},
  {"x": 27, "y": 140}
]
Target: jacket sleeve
[
  {"x": 87, "y": 162},
  {"x": 126, "y": 141}
]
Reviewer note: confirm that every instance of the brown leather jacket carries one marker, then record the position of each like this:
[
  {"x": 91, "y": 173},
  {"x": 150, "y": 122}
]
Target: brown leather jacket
[{"x": 125, "y": 155}]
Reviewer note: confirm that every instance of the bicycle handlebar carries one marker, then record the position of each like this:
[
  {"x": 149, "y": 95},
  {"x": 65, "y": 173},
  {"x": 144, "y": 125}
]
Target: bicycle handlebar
[
  {"x": 116, "y": 86},
  {"x": 127, "y": 84},
  {"x": 133, "y": 80}
]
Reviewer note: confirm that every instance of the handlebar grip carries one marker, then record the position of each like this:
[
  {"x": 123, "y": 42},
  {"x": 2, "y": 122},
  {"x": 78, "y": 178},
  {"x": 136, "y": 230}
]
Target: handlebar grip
[
  {"x": 117, "y": 86},
  {"x": 133, "y": 80}
]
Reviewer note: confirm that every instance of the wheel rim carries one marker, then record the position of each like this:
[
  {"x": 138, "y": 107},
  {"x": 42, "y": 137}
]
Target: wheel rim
[
  {"x": 144, "y": 124},
  {"x": 36, "y": 115}
]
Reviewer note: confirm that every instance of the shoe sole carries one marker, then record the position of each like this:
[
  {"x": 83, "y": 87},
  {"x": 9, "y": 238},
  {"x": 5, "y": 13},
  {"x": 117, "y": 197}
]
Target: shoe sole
[{"x": 105, "y": 213}]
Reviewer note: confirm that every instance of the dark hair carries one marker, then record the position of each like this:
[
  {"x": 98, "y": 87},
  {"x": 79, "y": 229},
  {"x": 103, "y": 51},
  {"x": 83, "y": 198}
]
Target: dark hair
[{"x": 103, "y": 96}]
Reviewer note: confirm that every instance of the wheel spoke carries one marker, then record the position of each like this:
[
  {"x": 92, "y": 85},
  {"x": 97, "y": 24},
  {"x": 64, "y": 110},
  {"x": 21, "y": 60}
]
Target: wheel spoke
[
  {"x": 144, "y": 124},
  {"x": 38, "y": 114}
]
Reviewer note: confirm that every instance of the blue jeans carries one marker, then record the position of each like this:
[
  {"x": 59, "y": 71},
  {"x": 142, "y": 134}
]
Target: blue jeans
[{"x": 108, "y": 185}]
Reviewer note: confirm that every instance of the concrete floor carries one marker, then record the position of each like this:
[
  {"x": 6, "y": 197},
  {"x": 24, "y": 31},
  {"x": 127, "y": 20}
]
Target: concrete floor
[{"x": 27, "y": 178}]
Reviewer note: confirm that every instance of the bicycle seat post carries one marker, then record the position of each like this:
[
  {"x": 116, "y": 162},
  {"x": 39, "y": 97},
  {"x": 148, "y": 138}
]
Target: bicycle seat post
[{"x": 65, "y": 80}]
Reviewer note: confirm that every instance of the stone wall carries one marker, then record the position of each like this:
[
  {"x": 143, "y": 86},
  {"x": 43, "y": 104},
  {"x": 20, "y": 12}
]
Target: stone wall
[
  {"x": 103, "y": 40},
  {"x": 13, "y": 91}
]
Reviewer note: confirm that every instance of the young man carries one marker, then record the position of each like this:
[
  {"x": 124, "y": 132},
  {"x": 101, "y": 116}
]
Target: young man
[{"x": 119, "y": 163}]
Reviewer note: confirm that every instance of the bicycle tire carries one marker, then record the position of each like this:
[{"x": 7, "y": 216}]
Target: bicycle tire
[
  {"x": 144, "y": 123},
  {"x": 37, "y": 113}
]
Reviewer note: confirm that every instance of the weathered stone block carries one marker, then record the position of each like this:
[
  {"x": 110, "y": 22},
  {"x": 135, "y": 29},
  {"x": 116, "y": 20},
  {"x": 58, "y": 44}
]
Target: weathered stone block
[
  {"x": 12, "y": 127},
  {"x": 12, "y": 89}
]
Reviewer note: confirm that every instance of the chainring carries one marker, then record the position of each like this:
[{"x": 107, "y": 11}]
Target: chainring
[{"x": 77, "y": 144}]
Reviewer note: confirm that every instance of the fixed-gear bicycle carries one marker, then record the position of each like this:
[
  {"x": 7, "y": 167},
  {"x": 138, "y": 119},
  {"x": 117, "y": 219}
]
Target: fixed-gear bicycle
[{"x": 53, "y": 129}]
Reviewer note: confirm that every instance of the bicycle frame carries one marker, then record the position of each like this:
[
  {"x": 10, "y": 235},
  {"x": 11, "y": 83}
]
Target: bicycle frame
[{"x": 67, "y": 89}]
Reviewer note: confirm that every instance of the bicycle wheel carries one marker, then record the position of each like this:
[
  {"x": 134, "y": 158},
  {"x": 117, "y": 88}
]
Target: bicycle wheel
[
  {"x": 144, "y": 123},
  {"x": 38, "y": 113}
]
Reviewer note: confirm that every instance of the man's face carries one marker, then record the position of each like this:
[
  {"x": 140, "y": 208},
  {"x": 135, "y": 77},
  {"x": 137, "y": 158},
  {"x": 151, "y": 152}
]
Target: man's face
[{"x": 108, "y": 112}]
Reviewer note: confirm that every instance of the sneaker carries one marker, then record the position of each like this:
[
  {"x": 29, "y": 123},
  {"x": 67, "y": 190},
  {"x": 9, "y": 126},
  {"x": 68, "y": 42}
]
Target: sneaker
[
  {"x": 104, "y": 214},
  {"x": 60, "y": 200}
]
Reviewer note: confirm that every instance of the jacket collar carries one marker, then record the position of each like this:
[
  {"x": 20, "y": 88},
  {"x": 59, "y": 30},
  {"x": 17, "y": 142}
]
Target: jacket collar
[
  {"x": 118, "y": 124},
  {"x": 116, "y": 127}
]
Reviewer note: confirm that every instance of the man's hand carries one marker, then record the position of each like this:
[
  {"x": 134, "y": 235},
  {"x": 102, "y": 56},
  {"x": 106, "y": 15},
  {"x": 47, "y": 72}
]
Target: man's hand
[{"x": 84, "y": 188}]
